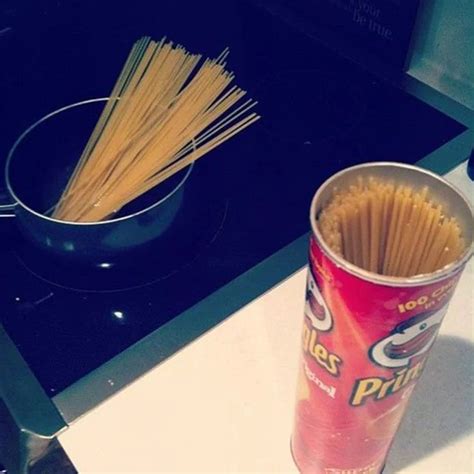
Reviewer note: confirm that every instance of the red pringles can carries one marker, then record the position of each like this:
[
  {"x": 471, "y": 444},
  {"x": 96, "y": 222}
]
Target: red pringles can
[{"x": 366, "y": 338}]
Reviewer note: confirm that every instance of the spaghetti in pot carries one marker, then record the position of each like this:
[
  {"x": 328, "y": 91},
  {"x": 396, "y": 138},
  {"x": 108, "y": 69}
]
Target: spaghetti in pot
[{"x": 167, "y": 109}]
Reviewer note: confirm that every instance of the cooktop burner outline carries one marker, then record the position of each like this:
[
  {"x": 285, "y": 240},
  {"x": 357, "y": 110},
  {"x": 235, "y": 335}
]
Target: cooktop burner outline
[{"x": 69, "y": 278}]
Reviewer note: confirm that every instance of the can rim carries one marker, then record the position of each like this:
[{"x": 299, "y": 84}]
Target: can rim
[{"x": 373, "y": 277}]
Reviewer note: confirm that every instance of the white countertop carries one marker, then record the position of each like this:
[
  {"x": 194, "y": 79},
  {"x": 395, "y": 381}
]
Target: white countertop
[{"x": 224, "y": 403}]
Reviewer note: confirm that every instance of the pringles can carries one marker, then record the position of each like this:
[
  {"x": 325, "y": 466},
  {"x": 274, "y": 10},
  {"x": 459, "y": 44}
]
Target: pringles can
[{"x": 366, "y": 338}]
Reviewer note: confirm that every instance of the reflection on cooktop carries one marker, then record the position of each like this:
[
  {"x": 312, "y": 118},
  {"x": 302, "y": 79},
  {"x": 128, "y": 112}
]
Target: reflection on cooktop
[{"x": 149, "y": 264}]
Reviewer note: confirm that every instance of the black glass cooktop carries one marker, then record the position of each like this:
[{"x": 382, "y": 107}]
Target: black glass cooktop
[{"x": 244, "y": 202}]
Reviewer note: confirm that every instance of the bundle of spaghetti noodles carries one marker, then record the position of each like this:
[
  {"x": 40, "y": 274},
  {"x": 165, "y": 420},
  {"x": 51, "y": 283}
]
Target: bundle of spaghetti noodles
[
  {"x": 390, "y": 229},
  {"x": 167, "y": 109}
]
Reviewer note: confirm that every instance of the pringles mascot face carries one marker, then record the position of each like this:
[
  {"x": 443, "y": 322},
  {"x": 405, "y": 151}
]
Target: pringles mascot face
[
  {"x": 316, "y": 309},
  {"x": 407, "y": 340}
]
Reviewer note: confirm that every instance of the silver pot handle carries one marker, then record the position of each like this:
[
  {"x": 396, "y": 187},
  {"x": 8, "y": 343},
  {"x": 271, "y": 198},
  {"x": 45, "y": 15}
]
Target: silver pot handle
[{"x": 7, "y": 210}]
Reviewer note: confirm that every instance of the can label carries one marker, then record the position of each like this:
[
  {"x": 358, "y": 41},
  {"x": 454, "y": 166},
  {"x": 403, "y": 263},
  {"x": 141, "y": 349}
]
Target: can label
[{"x": 364, "y": 346}]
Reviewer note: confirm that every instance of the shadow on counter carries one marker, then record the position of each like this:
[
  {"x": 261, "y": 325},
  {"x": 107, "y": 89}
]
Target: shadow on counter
[{"x": 440, "y": 410}]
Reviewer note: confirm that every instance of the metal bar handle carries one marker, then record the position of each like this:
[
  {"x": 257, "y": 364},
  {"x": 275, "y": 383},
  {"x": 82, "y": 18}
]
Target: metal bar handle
[{"x": 7, "y": 210}]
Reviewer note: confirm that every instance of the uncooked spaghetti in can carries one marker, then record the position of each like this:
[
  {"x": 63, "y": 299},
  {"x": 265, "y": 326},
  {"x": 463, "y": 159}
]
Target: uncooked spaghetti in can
[{"x": 366, "y": 337}]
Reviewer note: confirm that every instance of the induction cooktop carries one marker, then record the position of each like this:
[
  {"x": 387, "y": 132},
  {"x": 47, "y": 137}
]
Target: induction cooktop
[{"x": 244, "y": 203}]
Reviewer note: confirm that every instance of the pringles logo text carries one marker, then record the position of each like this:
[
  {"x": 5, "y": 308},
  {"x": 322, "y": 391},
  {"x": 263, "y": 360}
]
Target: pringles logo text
[
  {"x": 377, "y": 388},
  {"x": 318, "y": 315}
]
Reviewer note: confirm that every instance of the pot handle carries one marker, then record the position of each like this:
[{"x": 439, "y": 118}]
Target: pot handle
[{"x": 6, "y": 210}]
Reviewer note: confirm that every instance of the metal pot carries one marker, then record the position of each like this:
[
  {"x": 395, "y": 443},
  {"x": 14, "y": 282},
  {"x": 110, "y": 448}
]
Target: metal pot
[{"x": 37, "y": 169}]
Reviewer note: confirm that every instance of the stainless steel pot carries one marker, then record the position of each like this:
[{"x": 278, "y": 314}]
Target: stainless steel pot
[{"x": 37, "y": 169}]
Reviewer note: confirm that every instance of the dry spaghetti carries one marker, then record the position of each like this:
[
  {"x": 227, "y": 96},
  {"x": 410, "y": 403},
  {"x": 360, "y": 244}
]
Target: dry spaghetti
[
  {"x": 390, "y": 229},
  {"x": 165, "y": 111}
]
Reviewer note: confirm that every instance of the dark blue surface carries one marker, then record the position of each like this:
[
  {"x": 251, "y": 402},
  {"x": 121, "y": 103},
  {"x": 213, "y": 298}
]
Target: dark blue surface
[
  {"x": 470, "y": 165},
  {"x": 246, "y": 200}
]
